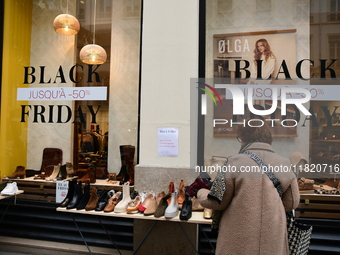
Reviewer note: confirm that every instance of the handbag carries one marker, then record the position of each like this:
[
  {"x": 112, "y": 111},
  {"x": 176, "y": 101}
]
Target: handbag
[{"x": 299, "y": 234}]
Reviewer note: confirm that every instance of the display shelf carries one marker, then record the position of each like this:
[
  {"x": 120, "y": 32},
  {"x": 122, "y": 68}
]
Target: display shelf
[
  {"x": 7, "y": 196},
  {"x": 37, "y": 189},
  {"x": 197, "y": 216},
  {"x": 326, "y": 140},
  {"x": 100, "y": 183},
  {"x": 318, "y": 206}
]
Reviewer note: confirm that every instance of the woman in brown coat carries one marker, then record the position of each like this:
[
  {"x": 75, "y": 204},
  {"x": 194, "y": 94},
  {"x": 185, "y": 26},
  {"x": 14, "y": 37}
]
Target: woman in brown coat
[{"x": 252, "y": 214}]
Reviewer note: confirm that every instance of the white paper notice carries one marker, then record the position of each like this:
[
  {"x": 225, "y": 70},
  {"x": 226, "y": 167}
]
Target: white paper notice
[
  {"x": 61, "y": 191},
  {"x": 167, "y": 142}
]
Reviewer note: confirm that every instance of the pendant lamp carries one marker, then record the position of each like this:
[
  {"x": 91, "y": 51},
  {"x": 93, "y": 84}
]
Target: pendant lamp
[
  {"x": 93, "y": 54},
  {"x": 66, "y": 24}
]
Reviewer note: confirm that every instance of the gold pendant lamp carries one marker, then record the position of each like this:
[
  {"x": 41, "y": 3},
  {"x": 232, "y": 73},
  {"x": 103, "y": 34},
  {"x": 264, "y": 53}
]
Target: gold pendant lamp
[
  {"x": 93, "y": 54},
  {"x": 66, "y": 24}
]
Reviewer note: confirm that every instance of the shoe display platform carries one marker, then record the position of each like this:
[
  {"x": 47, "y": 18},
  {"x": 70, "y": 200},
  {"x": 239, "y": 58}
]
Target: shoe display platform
[
  {"x": 316, "y": 206},
  {"x": 197, "y": 217},
  {"x": 7, "y": 196},
  {"x": 37, "y": 189}
]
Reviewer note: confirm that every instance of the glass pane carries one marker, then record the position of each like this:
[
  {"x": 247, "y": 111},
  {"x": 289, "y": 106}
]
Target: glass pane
[{"x": 52, "y": 99}]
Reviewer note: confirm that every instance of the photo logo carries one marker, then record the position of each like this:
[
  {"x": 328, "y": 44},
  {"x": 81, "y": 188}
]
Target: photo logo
[
  {"x": 239, "y": 98},
  {"x": 204, "y": 97}
]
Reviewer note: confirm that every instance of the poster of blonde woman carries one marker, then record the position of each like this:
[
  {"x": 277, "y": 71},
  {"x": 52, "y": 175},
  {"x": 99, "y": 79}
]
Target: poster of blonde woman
[{"x": 255, "y": 58}]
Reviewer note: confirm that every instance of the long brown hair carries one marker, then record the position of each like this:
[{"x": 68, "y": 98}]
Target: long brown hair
[{"x": 267, "y": 52}]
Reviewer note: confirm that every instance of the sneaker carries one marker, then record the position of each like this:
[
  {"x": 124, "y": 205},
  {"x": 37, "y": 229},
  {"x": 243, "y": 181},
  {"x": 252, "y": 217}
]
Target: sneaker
[{"x": 11, "y": 189}]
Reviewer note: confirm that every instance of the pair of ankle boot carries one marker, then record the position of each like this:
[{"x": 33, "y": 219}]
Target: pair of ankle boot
[
  {"x": 20, "y": 172},
  {"x": 168, "y": 205},
  {"x": 87, "y": 198},
  {"x": 94, "y": 199}
]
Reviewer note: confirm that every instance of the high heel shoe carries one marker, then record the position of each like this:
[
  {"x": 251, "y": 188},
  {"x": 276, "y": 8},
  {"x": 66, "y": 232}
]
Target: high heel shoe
[
  {"x": 54, "y": 174},
  {"x": 145, "y": 201},
  {"x": 133, "y": 205},
  {"x": 151, "y": 207}
]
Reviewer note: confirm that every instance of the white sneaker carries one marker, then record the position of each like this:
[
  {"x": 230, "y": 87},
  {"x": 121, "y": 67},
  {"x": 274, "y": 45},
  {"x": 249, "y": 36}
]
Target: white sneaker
[{"x": 11, "y": 189}]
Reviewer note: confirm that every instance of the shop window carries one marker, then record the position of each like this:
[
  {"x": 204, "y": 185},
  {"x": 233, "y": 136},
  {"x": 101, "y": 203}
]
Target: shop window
[
  {"x": 48, "y": 61},
  {"x": 299, "y": 30}
]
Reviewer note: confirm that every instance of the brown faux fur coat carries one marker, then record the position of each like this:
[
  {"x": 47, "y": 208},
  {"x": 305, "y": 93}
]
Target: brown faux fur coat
[{"x": 254, "y": 219}]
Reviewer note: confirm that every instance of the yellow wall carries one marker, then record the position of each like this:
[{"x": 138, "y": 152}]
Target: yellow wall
[{"x": 16, "y": 55}]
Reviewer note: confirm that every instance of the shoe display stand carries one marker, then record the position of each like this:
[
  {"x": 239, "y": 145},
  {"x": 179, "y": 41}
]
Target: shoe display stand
[
  {"x": 37, "y": 189},
  {"x": 197, "y": 218},
  {"x": 9, "y": 196}
]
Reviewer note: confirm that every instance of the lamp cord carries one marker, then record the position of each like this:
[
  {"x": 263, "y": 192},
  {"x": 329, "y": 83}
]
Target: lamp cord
[{"x": 94, "y": 22}]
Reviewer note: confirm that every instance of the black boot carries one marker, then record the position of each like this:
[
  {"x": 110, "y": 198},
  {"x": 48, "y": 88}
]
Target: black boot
[
  {"x": 71, "y": 187},
  {"x": 103, "y": 197},
  {"x": 78, "y": 194},
  {"x": 86, "y": 197},
  {"x": 186, "y": 211},
  {"x": 123, "y": 169},
  {"x": 125, "y": 176},
  {"x": 62, "y": 173}
]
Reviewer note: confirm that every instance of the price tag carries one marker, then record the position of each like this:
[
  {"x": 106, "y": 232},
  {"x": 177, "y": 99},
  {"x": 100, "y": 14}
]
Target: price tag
[{"x": 61, "y": 191}]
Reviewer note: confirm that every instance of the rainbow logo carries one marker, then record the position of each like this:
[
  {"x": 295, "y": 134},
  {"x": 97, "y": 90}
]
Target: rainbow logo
[{"x": 204, "y": 97}]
